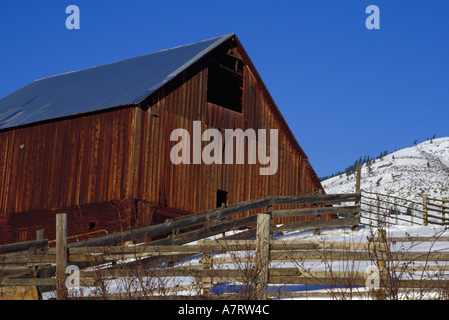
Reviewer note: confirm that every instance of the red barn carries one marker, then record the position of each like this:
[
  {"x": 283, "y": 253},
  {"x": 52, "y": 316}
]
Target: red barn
[{"x": 96, "y": 143}]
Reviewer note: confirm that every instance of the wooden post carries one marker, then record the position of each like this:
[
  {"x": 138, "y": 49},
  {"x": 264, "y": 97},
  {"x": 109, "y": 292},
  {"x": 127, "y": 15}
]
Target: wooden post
[
  {"x": 396, "y": 211},
  {"x": 172, "y": 236},
  {"x": 358, "y": 178},
  {"x": 443, "y": 209},
  {"x": 425, "y": 220},
  {"x": 358, "y": 190},
  {"x": 61, "y": 255},
  {"x": 320, "y": 205},
  {"x": 381, "y": 262},
  {"x": 262, "y": 254},
  {"x": 379, "y": 221},
  {"x": 40, "y": 234},
  {"x": 207, "y": 264},
  {"x": 272, "y": 225},
  {"x": 382, "y": 239}
]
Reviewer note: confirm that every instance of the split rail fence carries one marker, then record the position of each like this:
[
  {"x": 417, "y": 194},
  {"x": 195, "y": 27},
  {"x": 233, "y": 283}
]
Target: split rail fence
[
  {"x": 33, "y": 267},
  {"x": 381, "y": 209},
  {"x": 256, "y": 264}
]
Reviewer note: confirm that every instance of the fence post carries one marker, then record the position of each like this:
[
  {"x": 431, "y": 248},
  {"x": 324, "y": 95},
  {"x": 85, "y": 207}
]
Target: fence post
[
  {"x": 358, "y": 178},
  {"x": 381, "y": 263},
  {"x": 61, "y": 255},
  {"x": 317, "y": 231},
  {"x": 425, "y": 221},
  {"x": 40, "y": 234},
  {"x": 207, "y": 264},
  {"x": 396, "y": 210},
  {"x": 262, "y": 254},
  {"x": 357, "y": 190},
  {"x": 378, "y": 210},
  {"x": 443, "y": 209}
]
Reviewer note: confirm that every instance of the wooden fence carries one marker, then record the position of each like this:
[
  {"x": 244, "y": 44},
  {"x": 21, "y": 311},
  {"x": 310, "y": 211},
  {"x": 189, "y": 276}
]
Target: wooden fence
[
  {"x": 43, "y": 267},
  {"x": 435, "y": 210},
  {"x": 256, "y": 266},
  {"x": 381, "y": 209}
]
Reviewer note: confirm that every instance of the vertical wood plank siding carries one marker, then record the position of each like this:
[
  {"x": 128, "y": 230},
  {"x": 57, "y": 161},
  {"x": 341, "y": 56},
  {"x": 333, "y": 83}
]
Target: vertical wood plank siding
[
  {"x": 124, "y": 154},
  {"x": 63, "y": 163},
  {"x": 193, "y": 187},
  {"x": 84, "y": 221}
]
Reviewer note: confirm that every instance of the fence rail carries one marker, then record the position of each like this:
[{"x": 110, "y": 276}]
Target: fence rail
[
  {"x": 380, "y": 209},
  {"x": 258, "y": 261},
  {"x": 43, "y": 266}
]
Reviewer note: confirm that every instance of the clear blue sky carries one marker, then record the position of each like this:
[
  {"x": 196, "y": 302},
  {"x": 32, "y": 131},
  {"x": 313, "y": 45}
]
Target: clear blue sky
[{"x": 344, "y": 90}]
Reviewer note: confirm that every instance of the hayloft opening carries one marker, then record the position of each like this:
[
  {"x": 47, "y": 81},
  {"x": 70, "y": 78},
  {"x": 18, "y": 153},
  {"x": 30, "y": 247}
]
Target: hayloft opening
[{"x": 225, "y": 81}]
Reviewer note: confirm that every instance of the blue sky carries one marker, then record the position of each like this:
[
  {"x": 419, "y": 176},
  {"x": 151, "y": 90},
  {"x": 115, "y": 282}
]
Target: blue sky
[{"x": 344, "y": 90}]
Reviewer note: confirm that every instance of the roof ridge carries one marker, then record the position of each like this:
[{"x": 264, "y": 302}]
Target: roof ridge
[
  {"x": 118, "y": 83},
  {"x": 140, "y": 56}
]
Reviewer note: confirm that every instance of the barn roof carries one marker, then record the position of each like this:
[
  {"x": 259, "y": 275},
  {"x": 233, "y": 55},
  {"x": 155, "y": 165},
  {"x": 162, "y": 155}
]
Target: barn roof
[{"x": 115, "y": 84}]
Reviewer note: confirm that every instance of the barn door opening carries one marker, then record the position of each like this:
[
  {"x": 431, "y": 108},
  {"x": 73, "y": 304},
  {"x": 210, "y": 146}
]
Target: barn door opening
[{"x": 222, "y": 198}]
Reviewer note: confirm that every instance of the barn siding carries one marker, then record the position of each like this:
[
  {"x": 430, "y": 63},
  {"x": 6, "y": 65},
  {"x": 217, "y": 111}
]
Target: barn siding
[
  {"x": 193, "y": 187},
  {"x": 71, "y": 162},
  {"x": 124, "y": 154},
  {"x": 91, "y": 220}
]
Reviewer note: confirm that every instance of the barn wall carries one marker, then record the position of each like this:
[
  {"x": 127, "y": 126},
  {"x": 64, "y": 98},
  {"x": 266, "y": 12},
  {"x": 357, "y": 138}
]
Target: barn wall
[
  {"x": 84, "y": 221},
  {"x": 193, "y": 187},
  {"x": 71, "y": 162},
  {"x": 124, "y": 155}
]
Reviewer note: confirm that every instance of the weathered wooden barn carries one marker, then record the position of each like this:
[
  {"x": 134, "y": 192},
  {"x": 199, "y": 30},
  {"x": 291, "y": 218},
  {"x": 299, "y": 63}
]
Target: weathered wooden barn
[{"x": 96, "y": 143}]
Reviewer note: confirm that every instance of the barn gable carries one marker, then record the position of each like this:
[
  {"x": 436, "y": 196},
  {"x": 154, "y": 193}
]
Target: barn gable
[
  {"x": 96, "y": 143},
  {"x": 115, "y": 84}
]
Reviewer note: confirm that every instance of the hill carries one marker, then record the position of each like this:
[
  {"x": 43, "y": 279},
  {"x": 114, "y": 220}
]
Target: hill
[{"x": 410, "y": 173}]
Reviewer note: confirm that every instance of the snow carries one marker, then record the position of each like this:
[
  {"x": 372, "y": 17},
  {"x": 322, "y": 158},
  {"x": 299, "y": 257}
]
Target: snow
[
  {"x": 410, "y": 173},
  {"x": 346, "y": 235}
]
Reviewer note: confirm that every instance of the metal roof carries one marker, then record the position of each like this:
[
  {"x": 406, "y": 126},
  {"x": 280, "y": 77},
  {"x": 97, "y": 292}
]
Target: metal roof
[{"x": 115, "y": 84}]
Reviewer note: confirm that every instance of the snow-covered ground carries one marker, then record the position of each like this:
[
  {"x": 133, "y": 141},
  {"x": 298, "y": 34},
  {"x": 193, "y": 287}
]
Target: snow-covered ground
[
  {"x": 410, "y": 173},
  {"x": 345, "y": 235}
]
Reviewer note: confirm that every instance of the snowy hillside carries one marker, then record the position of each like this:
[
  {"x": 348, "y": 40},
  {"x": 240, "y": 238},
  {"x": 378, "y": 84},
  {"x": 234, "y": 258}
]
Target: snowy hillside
[
  {"x": 421, "y": 170},
  {"x": 410, "y": 173}
]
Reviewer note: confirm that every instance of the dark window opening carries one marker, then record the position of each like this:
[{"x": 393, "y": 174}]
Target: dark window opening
[
  {"x": 92, "y": 225},
  {"x": 227, "y": 61},
  {"x": 225, "y": 81},
  {"x": 222, "y": 198}
]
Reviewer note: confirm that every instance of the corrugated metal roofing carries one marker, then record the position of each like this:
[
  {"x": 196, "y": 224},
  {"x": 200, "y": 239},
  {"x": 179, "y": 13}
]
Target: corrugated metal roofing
[{"x": 115, "y": 84}]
